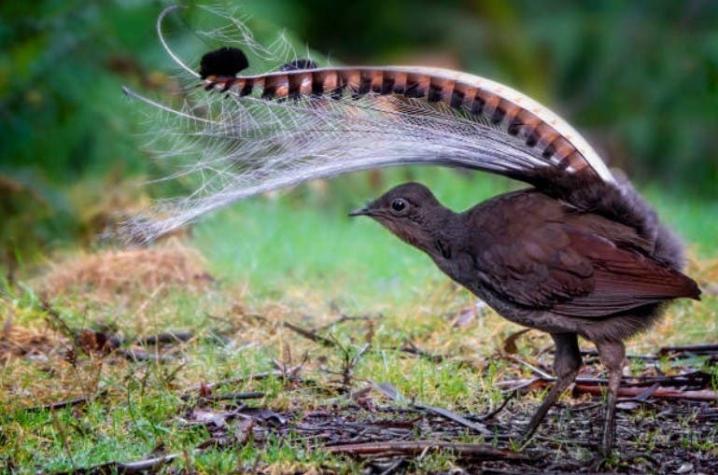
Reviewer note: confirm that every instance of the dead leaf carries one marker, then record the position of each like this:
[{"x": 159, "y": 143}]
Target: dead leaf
[
  {"x": 243, "y": 431},
  {"x": 509, "y": 345},
  {"x": 205, "y": 390},
  {"x": 207, "y": 417},
  {"x": 464, "y": 318}
]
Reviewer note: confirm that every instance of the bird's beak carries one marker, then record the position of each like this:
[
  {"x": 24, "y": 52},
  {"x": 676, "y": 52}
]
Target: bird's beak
[{"x": 360, "y": 212}]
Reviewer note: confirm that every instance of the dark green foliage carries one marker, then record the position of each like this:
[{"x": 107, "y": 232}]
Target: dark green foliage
[
  {"x": 63, "y": 113},
  {"x": 641, "y": 79}
]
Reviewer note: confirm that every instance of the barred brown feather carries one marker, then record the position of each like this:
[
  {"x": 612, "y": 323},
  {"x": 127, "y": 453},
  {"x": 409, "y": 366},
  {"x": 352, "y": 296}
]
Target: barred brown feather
[
  {"x": 299, "y": 122},
  {"x": 509, "y": 110}
]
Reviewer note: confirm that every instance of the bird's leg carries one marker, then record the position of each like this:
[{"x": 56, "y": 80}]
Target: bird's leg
[
  {"x": 566, "y": 364},
  {"x": 612, "y": 354}
]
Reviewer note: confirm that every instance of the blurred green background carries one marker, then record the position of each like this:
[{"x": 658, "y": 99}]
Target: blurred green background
[{"x": 640, "y": 79}]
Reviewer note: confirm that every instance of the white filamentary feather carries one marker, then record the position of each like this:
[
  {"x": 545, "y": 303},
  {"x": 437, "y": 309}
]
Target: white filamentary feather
[{"x": 241, "y": 146}]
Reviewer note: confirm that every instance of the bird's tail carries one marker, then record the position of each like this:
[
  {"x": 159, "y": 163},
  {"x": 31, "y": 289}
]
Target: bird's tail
[
  {"x": 621, "y": 202},
  {"x": 248, "y": 134}
]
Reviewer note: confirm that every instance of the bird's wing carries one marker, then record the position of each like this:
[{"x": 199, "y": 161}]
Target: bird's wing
[
  {"x": 623, "y": 279},
  {"x": 572, "y": 271},
  {"x": 248, "y": 134}
]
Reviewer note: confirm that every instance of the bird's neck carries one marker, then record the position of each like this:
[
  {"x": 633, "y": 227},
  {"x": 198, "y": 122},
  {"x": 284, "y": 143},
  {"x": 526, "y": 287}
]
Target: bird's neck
[{"x": 443, "y": 228}]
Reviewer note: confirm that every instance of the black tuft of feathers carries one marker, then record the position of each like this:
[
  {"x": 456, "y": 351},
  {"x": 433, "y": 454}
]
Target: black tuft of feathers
[
  {"x": 299, "y": 64},
  {"x": 224, "y": 62}
]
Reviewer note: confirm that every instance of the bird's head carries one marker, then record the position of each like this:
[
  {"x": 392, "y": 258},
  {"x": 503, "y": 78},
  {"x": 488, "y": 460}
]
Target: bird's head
[{"x": 411, "y": 212}]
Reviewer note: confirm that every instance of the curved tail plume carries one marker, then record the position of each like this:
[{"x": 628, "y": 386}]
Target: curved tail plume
[{"x": 248, "y": 134}]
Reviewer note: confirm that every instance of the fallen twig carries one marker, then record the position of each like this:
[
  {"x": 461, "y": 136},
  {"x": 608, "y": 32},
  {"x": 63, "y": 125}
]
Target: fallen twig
[
  {"x": 66, "y": 403},
  {"x": 291, "y": 373},
  {"x": 452, "y": 416},
  {"x": 146, "y": 464},
  {"x": 647, "y": 392},
  {"x": 142, "y": 355},
  {"x": 594, "y": 353},
  {"x": 165, "y": 338},
  {"x": 696, "y": 349},
  {"x": 660, "y": 392},
  {"x": 139, "y": 466},
  {"x": 412, "y": 349},
  {"x": 501, "y": 407},
  {"x": 231, "y": 396},
  {"x": 390, "y": 391},
  {"x": 515, "y": 385},
  {"x": 533, "y": 368},
  {"x": 416, "y": 447},
  {"x": 311, "y": 335},
  {"x": 659, "y": 387},
  {"x": 340, "y": 320}
]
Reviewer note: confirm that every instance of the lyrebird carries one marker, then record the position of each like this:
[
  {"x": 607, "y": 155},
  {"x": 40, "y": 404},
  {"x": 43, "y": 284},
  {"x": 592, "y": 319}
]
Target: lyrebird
[{"x": 580, "y": 253}]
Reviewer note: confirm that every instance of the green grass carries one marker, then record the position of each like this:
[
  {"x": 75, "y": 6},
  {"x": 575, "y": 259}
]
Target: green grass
[
  {"x": 294, "y": 258},
  {"x": 307, "y": 237},
  {"x": 142, "y": 408}
]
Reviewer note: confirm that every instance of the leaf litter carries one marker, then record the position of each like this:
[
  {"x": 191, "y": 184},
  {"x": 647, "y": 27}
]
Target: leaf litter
[{"x": 673, "y": 395}]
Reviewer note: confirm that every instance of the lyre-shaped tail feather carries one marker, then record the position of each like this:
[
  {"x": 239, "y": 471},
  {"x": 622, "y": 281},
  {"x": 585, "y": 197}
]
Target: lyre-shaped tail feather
[
  {"x": 263, "y": 132},
  {"x": 515, "y": 118}
]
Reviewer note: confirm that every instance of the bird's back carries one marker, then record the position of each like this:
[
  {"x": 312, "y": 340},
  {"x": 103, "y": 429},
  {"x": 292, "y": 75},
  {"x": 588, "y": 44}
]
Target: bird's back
[{"x": 539, "y": 252}]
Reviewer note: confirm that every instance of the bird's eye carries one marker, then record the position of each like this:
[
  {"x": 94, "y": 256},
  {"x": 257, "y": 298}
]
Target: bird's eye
[{"x": 398, "y": 205}]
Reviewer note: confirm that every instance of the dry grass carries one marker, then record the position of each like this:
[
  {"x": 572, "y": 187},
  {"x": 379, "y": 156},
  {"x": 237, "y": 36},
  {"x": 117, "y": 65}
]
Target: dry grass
[
  {"x": 110, "y": 273},
  {"x": 31, "y": 343},
  {"x": 168, "y": 287}
]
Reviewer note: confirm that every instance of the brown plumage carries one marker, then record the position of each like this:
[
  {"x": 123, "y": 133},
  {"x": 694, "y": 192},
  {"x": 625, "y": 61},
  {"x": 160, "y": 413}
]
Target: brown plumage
[
  {"x": 543, "y": 263},
  {"x": 579, "y": 254}
]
